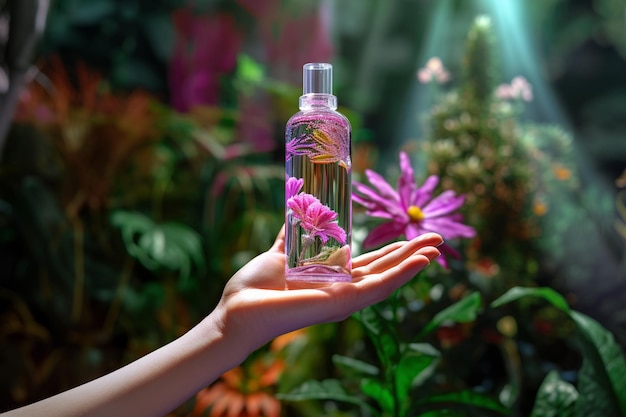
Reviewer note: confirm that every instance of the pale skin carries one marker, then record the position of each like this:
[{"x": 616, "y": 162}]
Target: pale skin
[{"x": 255, "y": 307}]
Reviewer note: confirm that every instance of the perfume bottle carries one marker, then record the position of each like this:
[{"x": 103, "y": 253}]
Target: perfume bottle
[{"x": 318, "y": 191}]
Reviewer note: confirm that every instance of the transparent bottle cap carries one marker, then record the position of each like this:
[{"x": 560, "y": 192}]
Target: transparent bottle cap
[{"x": 317, "y": 78}]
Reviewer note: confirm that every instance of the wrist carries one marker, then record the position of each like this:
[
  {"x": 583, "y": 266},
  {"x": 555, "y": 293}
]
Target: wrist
[{"x": 221, "y": 340}]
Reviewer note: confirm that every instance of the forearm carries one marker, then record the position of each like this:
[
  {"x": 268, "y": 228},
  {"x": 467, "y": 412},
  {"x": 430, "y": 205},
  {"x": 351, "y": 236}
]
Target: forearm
[{"x": 153, "y": 385}]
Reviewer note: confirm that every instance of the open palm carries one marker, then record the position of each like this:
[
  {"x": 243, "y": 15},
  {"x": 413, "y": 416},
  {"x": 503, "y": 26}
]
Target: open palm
[{"x": 256, "y": 301}]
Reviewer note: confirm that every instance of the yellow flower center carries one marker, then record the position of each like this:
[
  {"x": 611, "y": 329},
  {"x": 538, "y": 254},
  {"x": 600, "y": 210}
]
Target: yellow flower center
[{"x": 415, "y": 214}]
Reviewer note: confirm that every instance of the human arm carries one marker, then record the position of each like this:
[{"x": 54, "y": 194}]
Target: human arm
[{"x": 255, "y": 307}]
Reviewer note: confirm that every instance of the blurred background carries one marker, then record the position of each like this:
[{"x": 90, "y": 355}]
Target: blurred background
[{"x": 142, "y": 163}]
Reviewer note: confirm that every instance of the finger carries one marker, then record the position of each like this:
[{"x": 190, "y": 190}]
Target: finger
[
  {"x": 376, "y": 288},
  {"x": 398, "y": 254},
  {"x": 279, "y": 242},
  {"x": 430, "y": 252},
  {"x": 384, "y": 264},
  {"x": 368, "y": 257},
  {"x": 427, "y": 239}
]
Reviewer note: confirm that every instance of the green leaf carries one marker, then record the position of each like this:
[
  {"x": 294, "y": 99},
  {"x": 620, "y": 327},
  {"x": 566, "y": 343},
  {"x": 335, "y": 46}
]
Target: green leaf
[
  {"x": 427, "y": 350},
  {"x": 168, "y": 245},
  {"x": 546, "y": 293},
  {"x": 602, "y": 378},
  {"x": 249, "y": 70},
  {"x": 411, "y": 366},
  {"x": 555, "y": 398},
  {"x": 379, "y": 393},
  {"x": 416, "y": 363},
  {"x": 381, "y": 334},
  {"x": 470, "y": 398},
  {"x": 361, "y": 368},
  {"x": 462, "y": 311},
  {"x": 328, "y": 389}
]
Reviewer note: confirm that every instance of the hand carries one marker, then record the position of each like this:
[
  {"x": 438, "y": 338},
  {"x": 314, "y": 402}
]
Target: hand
[{"x": 256, "y": 306}]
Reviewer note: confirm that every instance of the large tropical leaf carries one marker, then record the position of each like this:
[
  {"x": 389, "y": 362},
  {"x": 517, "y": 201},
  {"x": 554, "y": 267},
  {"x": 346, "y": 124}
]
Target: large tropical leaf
[
  {"x": 547, "y": 294},
  {"x": 602, "y": 378},
  {"x": 555, "y": 398},
  {"x": 159, "y": 245}
]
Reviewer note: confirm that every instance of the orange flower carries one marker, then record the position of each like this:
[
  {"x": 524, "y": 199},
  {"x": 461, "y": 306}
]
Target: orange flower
[
  {"x": 283, "y": 341},
  {"x": 540, "y": 208},
  {"x": 236, "y": 395},
  {"x": 561, "y": 173},
  {"x": 247, "y": 390}
]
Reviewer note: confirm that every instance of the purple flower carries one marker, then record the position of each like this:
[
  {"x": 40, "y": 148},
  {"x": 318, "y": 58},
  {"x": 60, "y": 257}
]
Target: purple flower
[
  {"x": 315, "y": 218},
  {"x": 412, "y": 210}
]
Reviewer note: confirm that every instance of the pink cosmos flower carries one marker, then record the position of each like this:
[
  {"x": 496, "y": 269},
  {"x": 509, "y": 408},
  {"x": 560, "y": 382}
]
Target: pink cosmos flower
[
  {"x": 411, "y": 210},
  {"x": 315, "y": 218},
  {"x": 292, "y": 186}
]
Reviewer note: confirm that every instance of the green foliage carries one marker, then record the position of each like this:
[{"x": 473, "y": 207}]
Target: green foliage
[
  {"x": 479, "y": 79},
  {"x": 603, "y": 373},
  {"x": 555, "y": 398},
  {"x": 115, "y": 211},
  {"x": 520, "y": 210},
  {"x": 330, "y": 389},
  {"x": 169, "y": 246},
  {"x": 461, "y": 312},
  {"x": 404, "y": 368},
  {"x": 138, "y": 36},
  {"x": 108, "y": 213}
]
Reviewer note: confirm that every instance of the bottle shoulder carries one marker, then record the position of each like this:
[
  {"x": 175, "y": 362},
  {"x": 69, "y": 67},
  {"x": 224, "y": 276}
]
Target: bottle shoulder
[{"x": 320, "y": 114}]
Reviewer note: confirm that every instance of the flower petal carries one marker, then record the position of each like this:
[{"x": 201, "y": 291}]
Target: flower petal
[
  {"x": 383, "y": 233},
  {"x": 413, "y": 230},
  {"x": 425, "y": 192},
  {"x": 376, "y": 205},
  {"x": 236, "y": 406},
  {"x": 293, "y": 186},
  {"x": 253, "y": 404},
  {"x": 445, "y": 203},
  {"x": 406, "y": 182},
  {"x": 446, "y": 251},
  {"x": 383, "y": 187},
  {"x": 270, "y": 406},
  {"x": 447, "y": 228}
]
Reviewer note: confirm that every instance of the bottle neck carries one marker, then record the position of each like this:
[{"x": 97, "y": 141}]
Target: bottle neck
[{"x": 318, "y": 101}]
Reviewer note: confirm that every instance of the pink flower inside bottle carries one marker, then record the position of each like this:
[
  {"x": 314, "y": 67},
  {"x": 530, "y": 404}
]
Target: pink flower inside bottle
[{"x": 318, "y": 193}]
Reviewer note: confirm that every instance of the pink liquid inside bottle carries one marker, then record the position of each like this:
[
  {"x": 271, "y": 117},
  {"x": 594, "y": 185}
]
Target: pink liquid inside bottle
[{"x": 318, "y": 192}]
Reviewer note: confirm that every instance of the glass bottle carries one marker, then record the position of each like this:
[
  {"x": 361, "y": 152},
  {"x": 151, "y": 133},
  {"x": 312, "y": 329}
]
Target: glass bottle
[{"x": 318, "y": 192}]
